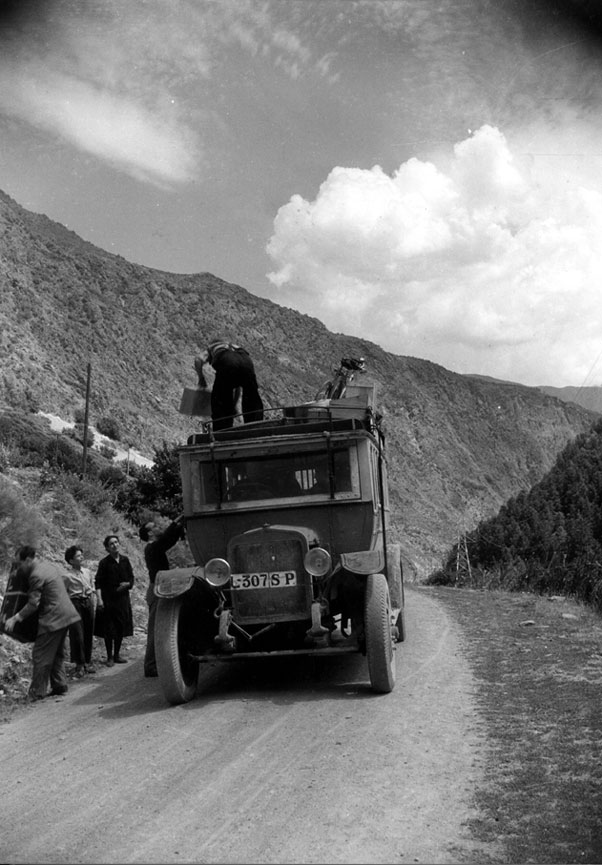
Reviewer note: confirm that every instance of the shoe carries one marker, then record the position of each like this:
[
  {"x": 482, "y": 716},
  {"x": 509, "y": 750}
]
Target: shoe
[
  {"x": 59, "y": 692},
  {"x": 79, "y": 671},
  {"x": 109, "y": 662},
  {"x": 89, "y": 668},
  {"x": 119, "y": 660},
  {"x": 150, "y": 674}
]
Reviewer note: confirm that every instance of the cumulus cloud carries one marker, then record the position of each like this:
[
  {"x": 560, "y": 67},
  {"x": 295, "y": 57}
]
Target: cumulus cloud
[{"x": 480, "y": 264}]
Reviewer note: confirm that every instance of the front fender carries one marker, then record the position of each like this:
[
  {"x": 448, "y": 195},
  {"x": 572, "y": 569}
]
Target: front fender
[
  {"x": 170, "y": 584},
  {"x": 363, "y": 562}
]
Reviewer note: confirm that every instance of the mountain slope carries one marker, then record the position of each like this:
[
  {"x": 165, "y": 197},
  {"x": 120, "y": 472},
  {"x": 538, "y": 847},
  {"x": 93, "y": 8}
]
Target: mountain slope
[{"x": 458, "y": 446}]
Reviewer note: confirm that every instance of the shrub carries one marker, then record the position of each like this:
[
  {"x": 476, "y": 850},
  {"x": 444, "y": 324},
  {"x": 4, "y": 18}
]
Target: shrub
[
  {"x": 61, "y": 454},
  {"x": 156, "y": 489},
  {"x": 23, "y": 435},
  {"x": 77, "y": 433},
  {"x": 5, "y": 457},
  {"x": 108, "y": 427},
  {"x": 88, "y": 492},
  {"x": 107, "y": 451},
  {"x": 19, "y": 523},
  {"x": 112, "y": 477}
]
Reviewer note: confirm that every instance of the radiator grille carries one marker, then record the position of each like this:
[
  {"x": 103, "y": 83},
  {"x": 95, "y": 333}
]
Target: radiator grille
[{"x": 265, "y": 554}]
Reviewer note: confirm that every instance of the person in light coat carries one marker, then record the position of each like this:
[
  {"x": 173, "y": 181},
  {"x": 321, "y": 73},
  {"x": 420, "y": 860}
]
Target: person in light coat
[{"x": 79, "y": 585}]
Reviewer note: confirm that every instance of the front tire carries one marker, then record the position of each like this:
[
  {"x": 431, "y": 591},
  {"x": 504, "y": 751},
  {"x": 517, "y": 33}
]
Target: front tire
[
  {"x": 178, "y": 673},
  {"x": 379, "y": 641}
]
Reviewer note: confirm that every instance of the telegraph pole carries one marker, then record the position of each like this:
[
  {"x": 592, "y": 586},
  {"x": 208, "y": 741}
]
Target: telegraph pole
[{"x": 86, "y": 415}]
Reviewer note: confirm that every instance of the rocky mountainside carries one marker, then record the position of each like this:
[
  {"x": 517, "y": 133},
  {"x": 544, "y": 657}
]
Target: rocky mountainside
[{"x": 458, "y": 446}]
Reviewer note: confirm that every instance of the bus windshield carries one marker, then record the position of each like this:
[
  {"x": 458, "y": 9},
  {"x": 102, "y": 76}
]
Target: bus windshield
[{"x": 319, "y": 474}]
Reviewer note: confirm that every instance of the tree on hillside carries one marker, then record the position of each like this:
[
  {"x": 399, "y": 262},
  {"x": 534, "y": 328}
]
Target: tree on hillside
[
  {"x": 157, "y": 489},
  {"x": 19, "y": 524},
  {"x": 548, "y": 539}
]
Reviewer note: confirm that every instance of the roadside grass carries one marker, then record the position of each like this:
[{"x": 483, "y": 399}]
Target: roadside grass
[{"x": 538, "y": 666}]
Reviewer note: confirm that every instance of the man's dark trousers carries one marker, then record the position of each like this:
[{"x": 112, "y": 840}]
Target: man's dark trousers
[
  {"x": 234, "y": 369},
  {"x": 48, "y": 657}
]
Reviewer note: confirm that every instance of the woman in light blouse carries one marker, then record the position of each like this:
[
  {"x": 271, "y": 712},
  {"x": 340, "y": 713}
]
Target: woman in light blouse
[{"x": 78, "y": 582}]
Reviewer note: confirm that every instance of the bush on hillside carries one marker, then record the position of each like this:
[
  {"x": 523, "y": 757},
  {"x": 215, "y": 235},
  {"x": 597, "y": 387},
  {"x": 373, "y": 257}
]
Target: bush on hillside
[
  {"x": 61, "y": 454},
  {"x": 20, "y": 524},
  {"x": 5, "y": 457},
  {"x": 112, "y": 477},
  {"x": 108, "y": 427},
  {"x": 77, "y": 433},
  {"x": 107, "y": 451},
  {"x": 156, "y": 489},
  {"x": 24, "y": 438},
  {"x": 68, "y": 487}
]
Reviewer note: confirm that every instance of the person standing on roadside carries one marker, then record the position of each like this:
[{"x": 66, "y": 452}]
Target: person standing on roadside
[
  {"x": 46, "y": 594},
  {"x": 159, "y": 540},
  {"x": 78, "y": 582},
  {"x": 114, "y": 580},
  {"x": 233, "y": 370}
]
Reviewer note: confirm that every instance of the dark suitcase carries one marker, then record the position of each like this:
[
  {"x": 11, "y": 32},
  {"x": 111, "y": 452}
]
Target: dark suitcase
[{"x": 13, "y": 602}]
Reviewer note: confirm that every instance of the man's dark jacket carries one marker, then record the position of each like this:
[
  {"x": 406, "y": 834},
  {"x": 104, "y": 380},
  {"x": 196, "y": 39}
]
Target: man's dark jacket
[{"x": 155, "y": 552}]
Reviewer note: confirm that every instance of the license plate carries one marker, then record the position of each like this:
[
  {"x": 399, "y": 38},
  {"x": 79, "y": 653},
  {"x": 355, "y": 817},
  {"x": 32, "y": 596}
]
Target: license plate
[{"x": 265, "y": 580}]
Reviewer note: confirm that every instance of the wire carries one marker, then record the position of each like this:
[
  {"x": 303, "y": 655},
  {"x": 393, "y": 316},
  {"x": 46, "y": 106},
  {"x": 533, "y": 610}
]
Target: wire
[{"x": 582, "y": 385}]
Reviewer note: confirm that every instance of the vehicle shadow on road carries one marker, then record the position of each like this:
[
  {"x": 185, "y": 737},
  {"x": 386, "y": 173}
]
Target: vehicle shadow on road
[
  {"x": 287, "y": 680},
  {"x": 123, "y": 693},
  {"x": 120, "y": 693}
]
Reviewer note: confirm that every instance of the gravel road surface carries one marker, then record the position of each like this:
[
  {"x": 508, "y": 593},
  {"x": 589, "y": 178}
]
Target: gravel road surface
[{"x": 278, "y": 761}]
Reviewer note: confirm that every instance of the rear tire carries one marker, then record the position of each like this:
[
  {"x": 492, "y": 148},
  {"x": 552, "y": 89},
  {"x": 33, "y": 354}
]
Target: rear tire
[
  {"x": 379, "y": 642},
  {"x": 178, "y": 673}
]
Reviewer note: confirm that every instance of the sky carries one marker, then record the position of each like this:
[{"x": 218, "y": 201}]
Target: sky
[{"x": 423, "y": 174}]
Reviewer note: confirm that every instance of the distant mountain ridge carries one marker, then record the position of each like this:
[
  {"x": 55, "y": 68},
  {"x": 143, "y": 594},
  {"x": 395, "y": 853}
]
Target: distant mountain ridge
[
  {"x": 588, "y": 397},
  {"x": 458, "y": 446}
]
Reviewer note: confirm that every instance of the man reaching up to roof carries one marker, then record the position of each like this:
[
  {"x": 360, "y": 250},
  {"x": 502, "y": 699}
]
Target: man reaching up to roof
[{"x": 233, "y": 369}]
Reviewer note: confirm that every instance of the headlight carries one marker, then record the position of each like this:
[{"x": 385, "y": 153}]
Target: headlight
[
  {"x": 317, "y": 562},
  {"x": 217, "y": 572}
]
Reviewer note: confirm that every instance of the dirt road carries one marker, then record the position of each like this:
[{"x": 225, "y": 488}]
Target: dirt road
[{"x": 280, "y": 761}]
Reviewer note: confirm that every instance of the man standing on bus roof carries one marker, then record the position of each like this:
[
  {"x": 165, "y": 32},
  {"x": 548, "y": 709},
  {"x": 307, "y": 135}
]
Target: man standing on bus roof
[{"x": 233, "y": 369}]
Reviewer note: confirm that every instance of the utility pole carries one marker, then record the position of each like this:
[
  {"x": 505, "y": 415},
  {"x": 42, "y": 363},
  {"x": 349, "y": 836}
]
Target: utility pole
[{"x": 86, "y": 415}]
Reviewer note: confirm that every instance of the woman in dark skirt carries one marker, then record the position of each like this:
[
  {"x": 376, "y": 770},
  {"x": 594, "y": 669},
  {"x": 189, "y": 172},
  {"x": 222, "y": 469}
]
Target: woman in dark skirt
[{"x": 114, "y": 579}]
